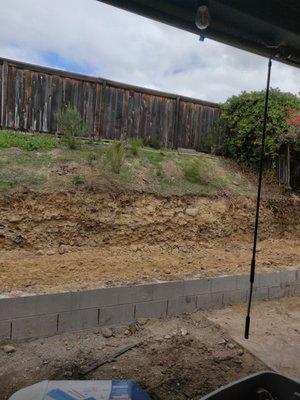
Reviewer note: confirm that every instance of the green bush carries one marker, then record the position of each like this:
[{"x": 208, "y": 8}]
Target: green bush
[
  {"x": 243, "y": 116},
  {"x": 27, "y": 141},
  {"x": 155, "y": 143},
  {"x": 116, "y": 156},
  {"x": 135, "y": 146},
  {"x": 72, "y": 126}
]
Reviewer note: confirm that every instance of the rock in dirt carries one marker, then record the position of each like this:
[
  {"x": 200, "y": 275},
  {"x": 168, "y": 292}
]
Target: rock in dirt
[
  {"x": 40, "y": 253},
  {"x": 107, "y": 332},
  {"x": 192, "y": 212},
  {"x": 8, "y": 348},
  {"x": 183, "y": 332},
  {"x": 62, "y": 249},
  {"x": 142, "y": 321}
]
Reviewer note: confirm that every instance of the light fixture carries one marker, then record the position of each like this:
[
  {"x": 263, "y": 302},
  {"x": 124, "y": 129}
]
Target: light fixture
[{"x": 202, "y": 19}]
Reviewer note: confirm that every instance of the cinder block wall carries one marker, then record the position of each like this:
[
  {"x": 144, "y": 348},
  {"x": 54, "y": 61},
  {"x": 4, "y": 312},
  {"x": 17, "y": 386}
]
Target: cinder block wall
[{"x": 46, "y": 315}]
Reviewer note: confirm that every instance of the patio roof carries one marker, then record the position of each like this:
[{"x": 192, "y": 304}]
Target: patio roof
[{"x": 269, "y": 28}]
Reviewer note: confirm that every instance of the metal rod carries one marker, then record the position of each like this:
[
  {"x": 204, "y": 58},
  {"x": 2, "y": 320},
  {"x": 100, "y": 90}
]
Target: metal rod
[{"x": 261, "y": 167}]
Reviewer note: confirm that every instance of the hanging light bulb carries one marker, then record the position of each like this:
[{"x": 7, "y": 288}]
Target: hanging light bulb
[{"x": 202, "y": 19}]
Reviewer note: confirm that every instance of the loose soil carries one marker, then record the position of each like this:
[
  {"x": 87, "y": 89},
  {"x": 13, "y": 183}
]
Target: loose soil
[
  {"x": 177, "y": 358},
  {"x": 93, "y": 237}
]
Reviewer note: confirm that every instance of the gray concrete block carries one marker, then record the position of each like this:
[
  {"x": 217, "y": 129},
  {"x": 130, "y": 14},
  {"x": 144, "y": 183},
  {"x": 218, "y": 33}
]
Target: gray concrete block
[
  {"x": 5, "y": 330},
  {"x": 276, "y": 292},
  {"x": 78, "y": 320},
  {"x": 295, "y": 289},
  {"x": 168, "y": 290},
  {"x": 269, "y": 279},
  {"x": 243, "y": 281},
  {"x": 34, "y": 305},
  {"x": 210, "y": 300},
  {"x": 95, "y": 298},
  {"x": 182, "y": 304},
  {"x": 298, "y": 275},
  {"x": 235, "y": 297},
  {"x": 34, "y": 327},
  {"x": 151, "y": 309},
  {"x": 116, "y": 315},
  {"x": 223, "y": 283},
  {"x": 287, "y": 277},
  {"x": 260, "y": 293},
  {"x": 135, "y": 294},
  {"x": 196, "y": 286}
]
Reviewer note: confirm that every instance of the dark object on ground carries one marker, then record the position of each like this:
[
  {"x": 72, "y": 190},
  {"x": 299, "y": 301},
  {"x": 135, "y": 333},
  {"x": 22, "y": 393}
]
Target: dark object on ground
[
  {"x": 84, "y": 371},
  {"x": 260, "y": 386}
]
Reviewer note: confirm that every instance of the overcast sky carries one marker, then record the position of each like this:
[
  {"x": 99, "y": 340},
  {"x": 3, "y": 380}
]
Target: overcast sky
[{"x": 89, "y": 37}]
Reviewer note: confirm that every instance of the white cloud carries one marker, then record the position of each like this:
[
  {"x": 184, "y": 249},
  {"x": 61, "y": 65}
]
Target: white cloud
[{"x": 121, "y": 46}]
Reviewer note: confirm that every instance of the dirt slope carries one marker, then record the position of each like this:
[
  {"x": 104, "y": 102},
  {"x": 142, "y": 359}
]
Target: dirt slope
[{"x": 91, "y": 237}]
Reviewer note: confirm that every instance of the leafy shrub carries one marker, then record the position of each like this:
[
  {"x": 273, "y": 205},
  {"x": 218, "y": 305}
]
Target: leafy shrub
[
  {"x": 135, "y": 145},
  {"x": 116, "y": 156},
  {"x": 71, "y": 126},
  {"x": 27, "y": 141},
  {"x": 155, "y": 143},
  {"x": 243, "y": 116}
]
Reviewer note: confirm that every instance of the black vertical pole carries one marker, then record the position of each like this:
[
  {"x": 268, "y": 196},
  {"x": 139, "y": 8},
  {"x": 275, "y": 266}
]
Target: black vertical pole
[{"x": 261, "y": 166}]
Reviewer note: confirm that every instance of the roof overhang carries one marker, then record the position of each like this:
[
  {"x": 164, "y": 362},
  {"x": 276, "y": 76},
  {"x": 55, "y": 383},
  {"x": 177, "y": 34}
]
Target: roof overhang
[{"x": 269, "y": 28}]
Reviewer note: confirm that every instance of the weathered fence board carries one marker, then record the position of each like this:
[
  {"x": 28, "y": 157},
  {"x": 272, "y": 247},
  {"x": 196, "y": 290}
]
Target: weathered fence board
[{"x": 31, "y": 98}]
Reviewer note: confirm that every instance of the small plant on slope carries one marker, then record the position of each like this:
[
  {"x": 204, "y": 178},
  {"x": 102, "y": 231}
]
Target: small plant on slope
[
  {"x": 135, "y": 145},
  {"x": 116, "y": 156},
  {"x": 71, "y": 126}
]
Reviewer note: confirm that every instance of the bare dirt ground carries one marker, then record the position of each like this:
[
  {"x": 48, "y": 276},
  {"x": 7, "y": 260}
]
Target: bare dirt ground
[
  {"x": 89, "y": 238},
  {"x": 275, "y": 336},
  {"x": 178, "y": 358}
]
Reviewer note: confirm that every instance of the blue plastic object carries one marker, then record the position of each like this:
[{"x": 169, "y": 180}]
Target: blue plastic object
[{"x": 82, "y": 390}]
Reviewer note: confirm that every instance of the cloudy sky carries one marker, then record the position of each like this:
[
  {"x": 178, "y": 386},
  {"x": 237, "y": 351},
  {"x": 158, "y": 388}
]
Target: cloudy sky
[{"x": 89, "y": 37}]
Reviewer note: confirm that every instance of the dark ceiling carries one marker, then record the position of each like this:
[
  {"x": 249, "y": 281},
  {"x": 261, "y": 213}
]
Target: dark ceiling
[{"x": 270, "y": 28}]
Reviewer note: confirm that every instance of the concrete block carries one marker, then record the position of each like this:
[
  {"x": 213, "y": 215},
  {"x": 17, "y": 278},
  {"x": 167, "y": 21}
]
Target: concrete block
[
  {"x": 78, "y": 320},
  {"x": 196, "y": 286},
  {"x": 269, "y": 279},
  {"x": 182, "y": 304},
  {"x": 287, "y": 277},
  {"x": 5, "y": 330},
  {"x": 168, "y": 290},
  {"x": 235, "y": 297},
  {"x": 34, "y": 305},
  {"x": 95, "y": 298},
  {"x": 260, "y": 293},
  {"x": 31, "y": 327},
  {"x": 135, "y": 294},
  {"x": 151, "y": 309},
  {"x": 295, "y": 289},
  {"x": 276, "y": 292},
  {"x": 210, "y": 300},
  {"x": 223, "y": 284},
  {"x": 116, "y": 315},
  {"x": 297, "y": 275}
]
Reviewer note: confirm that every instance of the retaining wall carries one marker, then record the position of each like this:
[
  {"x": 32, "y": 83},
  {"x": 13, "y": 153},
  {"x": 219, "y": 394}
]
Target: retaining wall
[{"x": 45, "y": 315}]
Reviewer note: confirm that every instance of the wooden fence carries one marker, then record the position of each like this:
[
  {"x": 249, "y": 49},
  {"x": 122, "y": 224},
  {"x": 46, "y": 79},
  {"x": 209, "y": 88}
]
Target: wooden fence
[{"x": 32, "y": 96}]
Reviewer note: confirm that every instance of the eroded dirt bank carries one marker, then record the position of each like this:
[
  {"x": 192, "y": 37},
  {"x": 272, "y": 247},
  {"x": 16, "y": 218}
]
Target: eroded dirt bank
[{"x": 88, "y": 237}]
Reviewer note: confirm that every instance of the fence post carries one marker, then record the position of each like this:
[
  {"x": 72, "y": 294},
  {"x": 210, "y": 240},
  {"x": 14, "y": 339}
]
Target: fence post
[
  {"x": 102, "y": 105},
  {"x": 176, "y": 125},
  {"x": 4, "y": 94}
]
